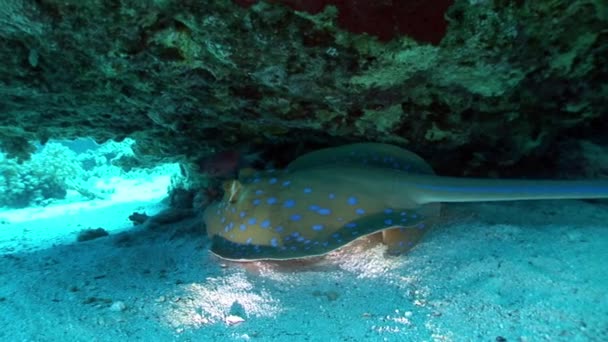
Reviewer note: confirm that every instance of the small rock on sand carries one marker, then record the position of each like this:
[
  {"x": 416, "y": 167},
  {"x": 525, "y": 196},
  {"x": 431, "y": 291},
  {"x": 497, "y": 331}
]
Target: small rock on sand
[{"x": 118, "y": 306}]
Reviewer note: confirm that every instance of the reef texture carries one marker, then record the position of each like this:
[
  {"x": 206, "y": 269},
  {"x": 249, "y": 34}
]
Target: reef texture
[{"x": 474, "y": 86}]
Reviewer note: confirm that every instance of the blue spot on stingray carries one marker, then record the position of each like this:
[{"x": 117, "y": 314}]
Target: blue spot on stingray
[
  {"x": 272, "y": 180},
  {"x": 223, "y": 219},
  {"x": 350, "y": 225},
  {"x": 295, "y": 234},
  {"x": 331, "y": 196},
  {"x": 265, "y": 224},
  {"x": 289, "y": 203},
  {"x": 414, "y": 216},
  {"x": 259, "y": 192},
  {"x": 256, "y": 180},
  {"x": 273, "y": 242},
  {"x": 388, "y": 221},
  {"x": 336, "y": 235},
  {"x": 354, "y": 233},
  {"x": 227, "y": 229},
  {"x": 307, "y": 190},
  {"x": 286, "y": 183},
  {"x": 233, "y": 210},
  {"x": 403, "y": 213},
  {"x": 278, "y": 229},
  {"x": 317, "y": 227},
  {"x": 421, "y": 226},
  {"x": 295, "y": 217},
  {"x": 324, "y": 211},
  {"x": 251, "y": 220},
  {"x": 256, "y": 202},
  {"x": 388, "y": 211},
  {"x": 352, "y": 200},
  {"x": 314, "y": 207},
  {"x": 272, "y": 200},
  {"x": 403, "y": 220},
  {"x": 243, "y": 227},
  {"x": 243, "y": 214},
  {"x": 325, "y": 243},
  {"x": 360, "y": 211},
  {"x": 249, "y": 241}
]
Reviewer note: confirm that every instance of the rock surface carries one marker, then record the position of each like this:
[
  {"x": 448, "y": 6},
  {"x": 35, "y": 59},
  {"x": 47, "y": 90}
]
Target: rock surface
[{"x": 474, "y": 86}]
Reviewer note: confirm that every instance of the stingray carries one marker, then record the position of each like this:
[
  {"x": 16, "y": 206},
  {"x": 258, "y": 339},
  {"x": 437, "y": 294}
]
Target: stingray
[{"x": 328, "y": 198}]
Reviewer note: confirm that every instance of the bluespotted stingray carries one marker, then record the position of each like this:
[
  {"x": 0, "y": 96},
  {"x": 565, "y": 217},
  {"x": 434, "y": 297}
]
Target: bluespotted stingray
[{"x": 326, "y": 199}]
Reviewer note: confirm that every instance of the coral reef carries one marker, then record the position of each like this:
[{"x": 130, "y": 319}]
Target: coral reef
[
  {"x": 419, "y": 19},
  {"x": 474, "y": 86},
  {"x": 46, "y": 176},
  {"x": 56, "y": 168}
]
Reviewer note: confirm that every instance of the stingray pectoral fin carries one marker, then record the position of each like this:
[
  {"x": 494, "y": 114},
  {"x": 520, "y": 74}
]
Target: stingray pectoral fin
[
  {"x": 254, "y": 236},
  {"x": 399, "y": 240},
  {"x": 236, "y": 250}
]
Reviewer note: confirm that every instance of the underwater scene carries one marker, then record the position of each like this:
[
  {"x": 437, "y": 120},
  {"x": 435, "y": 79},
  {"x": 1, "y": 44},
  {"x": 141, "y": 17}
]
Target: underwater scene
[{"x": 290, "y": 170}]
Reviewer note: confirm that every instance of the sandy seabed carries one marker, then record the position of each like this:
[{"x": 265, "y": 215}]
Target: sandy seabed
[{"x": 519, "y": 271}]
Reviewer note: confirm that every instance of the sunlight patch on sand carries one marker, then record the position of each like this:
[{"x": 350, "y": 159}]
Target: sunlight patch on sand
[{"x": 217, "y": 299}]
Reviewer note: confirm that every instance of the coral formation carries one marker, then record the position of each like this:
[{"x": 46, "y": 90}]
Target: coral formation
[
  {"x": 56, "y": 168},
  {"x": 419, "y": 19},
  {"x": 502, "y": 83},
  {"x": 46, "y": 176}
]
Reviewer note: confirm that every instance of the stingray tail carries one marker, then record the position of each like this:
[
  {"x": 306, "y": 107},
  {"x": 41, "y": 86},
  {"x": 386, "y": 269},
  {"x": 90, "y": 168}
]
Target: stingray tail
[{"x": 448, "y": 189}]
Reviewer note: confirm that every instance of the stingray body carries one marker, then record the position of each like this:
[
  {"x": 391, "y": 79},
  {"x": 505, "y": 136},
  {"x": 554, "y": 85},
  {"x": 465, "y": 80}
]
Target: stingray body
[{"x": 328, "y": 198}]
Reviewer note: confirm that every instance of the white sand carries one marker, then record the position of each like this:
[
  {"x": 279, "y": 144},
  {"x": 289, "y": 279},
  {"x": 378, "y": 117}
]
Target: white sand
[
  {"x": 42, "y": 227},
  {"x": 527, "y": 271}
]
